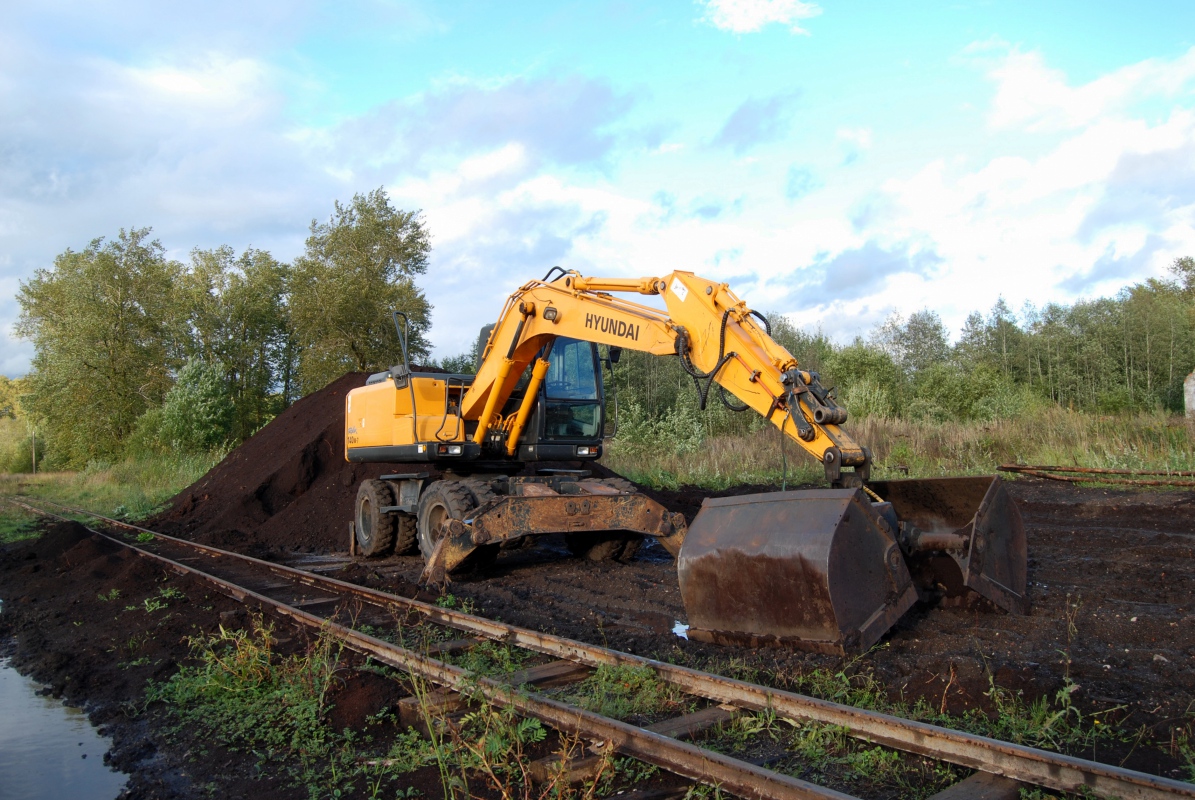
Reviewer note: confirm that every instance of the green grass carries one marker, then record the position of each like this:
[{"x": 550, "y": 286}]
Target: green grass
[
  {"x": 624, "y": 692},
  {"x": 826, "y": 754},
  {"x": 132, "y": 489},
  {"x": 245, "y": 697},
  {"x": 919, "y": 448}
]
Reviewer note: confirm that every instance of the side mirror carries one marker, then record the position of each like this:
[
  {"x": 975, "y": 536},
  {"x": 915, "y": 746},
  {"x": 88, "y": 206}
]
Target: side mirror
[{"x": 615, "y": 354}]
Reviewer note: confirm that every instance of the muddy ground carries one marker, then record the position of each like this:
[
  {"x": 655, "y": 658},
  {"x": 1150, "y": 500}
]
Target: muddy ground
[{"x": 1119, "y": 562}]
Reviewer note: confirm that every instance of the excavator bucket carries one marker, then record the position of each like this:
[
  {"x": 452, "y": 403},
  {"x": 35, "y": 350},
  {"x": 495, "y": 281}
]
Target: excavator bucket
[
  {"x": 830, "y": 570},
  {"x": 817, "y": 569},
  {"x": 963, "y": 537}
]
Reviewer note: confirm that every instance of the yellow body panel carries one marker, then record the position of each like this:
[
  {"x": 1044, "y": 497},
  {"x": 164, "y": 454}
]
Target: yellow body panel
[{"x": 380, "y": 415}]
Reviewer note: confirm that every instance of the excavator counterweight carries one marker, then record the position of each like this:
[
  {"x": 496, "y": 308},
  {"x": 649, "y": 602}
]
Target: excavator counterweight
[{"x": 824, "y": 569}]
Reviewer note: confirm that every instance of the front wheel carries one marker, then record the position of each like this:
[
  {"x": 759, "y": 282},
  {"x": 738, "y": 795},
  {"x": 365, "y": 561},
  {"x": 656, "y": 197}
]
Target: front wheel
[{"x": 442, "y": 501}]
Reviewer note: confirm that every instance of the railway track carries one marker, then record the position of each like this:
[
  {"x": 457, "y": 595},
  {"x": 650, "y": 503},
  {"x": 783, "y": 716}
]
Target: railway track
[{"x": 319, "y": 602}]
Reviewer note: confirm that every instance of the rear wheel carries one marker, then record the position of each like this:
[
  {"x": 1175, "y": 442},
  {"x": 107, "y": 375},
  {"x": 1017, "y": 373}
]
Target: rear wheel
[
  {"x": 605, "y": 546},
  {"x": 373, "y": 529},
  {"x": 406, "y": 537},
  {"x": 599, "y": 546},
  {"x": 621, "y": 484}
]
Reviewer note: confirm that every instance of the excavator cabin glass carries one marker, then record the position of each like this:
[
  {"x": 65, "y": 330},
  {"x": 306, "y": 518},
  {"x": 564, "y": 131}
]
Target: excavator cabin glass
[{"x": 572, "y": 407}]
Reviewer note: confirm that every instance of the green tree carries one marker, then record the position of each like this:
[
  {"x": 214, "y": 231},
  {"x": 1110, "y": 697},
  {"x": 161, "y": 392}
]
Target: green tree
[
  {"x": 1184, "y": 270},
  {"x": 238, "y": 317},
  {"x": 10, "y": 396},
  {"x": 358, "y": 267},
  {"x": 868, "y": 381},
  {"x": 198, "y": 413},
  {"x": 913, "y": 344},
  {"x": 106, "y": 332}
]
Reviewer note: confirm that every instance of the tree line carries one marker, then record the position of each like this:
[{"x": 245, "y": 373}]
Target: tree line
[
  {"x": 134, "y": 348},
  {"x": 1122, "y": 354},
  {"x": 137, "y": 352}
]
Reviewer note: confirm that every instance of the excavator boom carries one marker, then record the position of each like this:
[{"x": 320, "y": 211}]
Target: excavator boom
[{"x": 718, "y": 339}]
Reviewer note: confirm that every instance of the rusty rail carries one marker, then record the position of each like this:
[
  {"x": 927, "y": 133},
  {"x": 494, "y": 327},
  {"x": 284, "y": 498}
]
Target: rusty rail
[{"x": 1017, "y": 762}]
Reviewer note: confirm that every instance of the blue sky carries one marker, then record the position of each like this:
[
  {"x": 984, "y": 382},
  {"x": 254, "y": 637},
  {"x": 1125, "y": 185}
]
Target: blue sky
[{"x": 836, "y": 162}]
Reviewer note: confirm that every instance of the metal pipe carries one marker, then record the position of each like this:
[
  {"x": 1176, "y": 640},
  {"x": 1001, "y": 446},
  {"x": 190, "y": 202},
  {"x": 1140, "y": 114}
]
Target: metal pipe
[
  {"x": 936, "y": 541},
  {"x": 537, "y": 377}
]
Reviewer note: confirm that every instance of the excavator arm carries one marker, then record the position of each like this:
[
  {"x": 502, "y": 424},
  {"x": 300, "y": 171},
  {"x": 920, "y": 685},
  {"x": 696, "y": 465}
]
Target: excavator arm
[{"x": 716, "y": 336}]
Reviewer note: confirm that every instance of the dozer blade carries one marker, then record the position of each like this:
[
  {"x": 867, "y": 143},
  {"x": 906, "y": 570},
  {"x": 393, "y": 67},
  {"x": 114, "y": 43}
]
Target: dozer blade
[
  {"x": 818, "y": 569},
  {"x": 963, "y": 538}
]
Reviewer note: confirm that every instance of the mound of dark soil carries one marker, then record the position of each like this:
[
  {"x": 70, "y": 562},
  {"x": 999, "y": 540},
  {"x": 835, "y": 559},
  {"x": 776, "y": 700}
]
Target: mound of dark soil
[{"x": 287, "y": 487}]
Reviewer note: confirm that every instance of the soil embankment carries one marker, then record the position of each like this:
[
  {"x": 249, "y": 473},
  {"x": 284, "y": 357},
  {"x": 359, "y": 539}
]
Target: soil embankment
[{"x": 1112, "y": 577}]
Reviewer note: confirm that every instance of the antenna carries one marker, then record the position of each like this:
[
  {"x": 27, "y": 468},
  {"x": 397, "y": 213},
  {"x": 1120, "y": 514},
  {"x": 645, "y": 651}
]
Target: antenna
[{"x": 402, "y": 335}]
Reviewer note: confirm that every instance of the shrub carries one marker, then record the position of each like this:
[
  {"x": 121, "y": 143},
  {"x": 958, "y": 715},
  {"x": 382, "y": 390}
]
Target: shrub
[
  {"x": 15, "y": 446},
  {"x": 196, "y": 416}
]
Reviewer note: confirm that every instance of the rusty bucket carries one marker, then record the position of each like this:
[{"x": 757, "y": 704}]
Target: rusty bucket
[
  {"x": 831, "y": 570},
  {"x": 963, "y": 538},
  {"x": 818, "y": 569}
]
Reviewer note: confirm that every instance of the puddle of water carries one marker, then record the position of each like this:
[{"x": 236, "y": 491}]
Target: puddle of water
[
  {"x": 48, "y": 750},
  {"x": 681, "y": 629}
]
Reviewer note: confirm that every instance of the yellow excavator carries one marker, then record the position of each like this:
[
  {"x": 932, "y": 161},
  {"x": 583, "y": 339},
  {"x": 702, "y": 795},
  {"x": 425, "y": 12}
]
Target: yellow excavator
[{"x": 823, "y": 569}]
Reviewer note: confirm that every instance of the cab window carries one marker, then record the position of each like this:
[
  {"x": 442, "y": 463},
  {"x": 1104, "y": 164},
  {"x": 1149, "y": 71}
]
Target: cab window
[{"x": 571, "y": 375}]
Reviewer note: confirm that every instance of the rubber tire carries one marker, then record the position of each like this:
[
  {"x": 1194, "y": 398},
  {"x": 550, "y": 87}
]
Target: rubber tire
[
  {"x": 406, "y": 537},
  {"x": 440, "y": 501},
  {"x": 487, "y": 554},
  {"x": 483, "y": 493},
  {"x": 598, "y": 546},
  {"x": 373, "y": 529},
  {"x": 449, "y": 500},
  {"x": 621, "y": 484}
]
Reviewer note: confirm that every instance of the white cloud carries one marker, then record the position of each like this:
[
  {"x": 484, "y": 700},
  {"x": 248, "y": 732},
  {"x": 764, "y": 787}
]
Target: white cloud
[
  {"x": 1054, "y": 226},
  {"x": 751, "y": 16},
  {"x": 860, "y": 137},
  {"x": 1033, "y": 96},
  {"x": 213, "y": 83}
]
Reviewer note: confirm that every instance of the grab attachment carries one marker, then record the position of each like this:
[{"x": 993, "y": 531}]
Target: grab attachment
[{"x": 963, "y": 538}]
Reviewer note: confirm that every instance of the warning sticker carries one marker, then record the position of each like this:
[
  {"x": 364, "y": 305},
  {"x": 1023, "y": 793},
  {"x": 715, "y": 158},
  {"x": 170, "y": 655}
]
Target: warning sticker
[{"x": 679, "y": 289}]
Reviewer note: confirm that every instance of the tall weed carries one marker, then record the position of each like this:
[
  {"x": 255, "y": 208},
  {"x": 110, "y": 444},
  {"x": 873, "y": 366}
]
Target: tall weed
[
  {"x": 131, "y": 489},
  {"x": 926, "y": 448}
]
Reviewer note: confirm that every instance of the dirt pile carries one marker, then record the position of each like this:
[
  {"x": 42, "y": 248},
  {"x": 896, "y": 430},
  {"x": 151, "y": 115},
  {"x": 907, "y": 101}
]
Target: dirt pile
[{"x": 287, "y": 487}]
